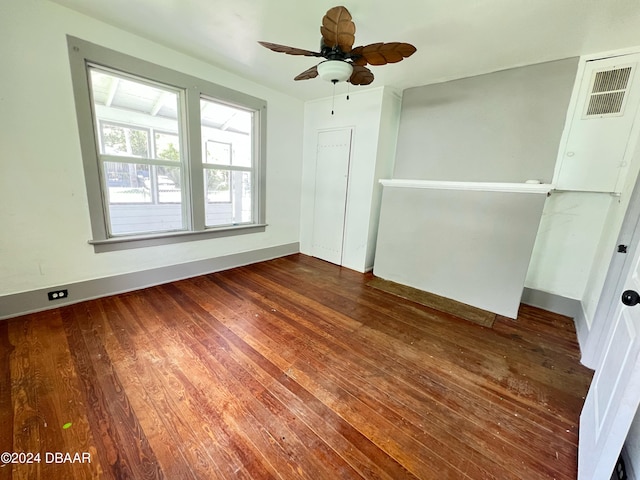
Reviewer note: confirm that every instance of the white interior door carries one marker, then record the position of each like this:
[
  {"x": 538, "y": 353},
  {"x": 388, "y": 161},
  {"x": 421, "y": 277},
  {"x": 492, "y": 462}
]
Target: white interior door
[
  {"x": 614, "y": 394},
  {"x": 332, "y": 175}
]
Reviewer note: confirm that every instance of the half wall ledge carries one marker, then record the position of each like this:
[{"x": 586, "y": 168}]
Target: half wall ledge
[{"x": 525, "y": 187}]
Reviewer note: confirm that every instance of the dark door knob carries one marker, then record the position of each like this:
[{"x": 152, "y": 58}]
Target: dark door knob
[{"x": 630, "y": 298}]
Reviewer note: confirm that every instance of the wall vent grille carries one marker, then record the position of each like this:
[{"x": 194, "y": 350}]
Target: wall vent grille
[{"x": 608, "y": 92}]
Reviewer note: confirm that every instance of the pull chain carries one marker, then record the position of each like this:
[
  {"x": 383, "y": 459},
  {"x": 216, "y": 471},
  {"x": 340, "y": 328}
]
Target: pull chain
[
  {"x": 348, "y": 90},
  {"x": 333, "y": 99}
]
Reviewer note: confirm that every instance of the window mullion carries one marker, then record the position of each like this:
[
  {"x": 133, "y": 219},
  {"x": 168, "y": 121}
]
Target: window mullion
[
  {"x": 233, "y": 168},
  {"x": 259, "y": 165},
  {"x": 138, "y": 160},
  {"x": 194, "y": 154}
]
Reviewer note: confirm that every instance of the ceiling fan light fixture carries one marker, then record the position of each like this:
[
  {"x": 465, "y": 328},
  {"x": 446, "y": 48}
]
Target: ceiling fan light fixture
[{"x": 335, "y": 70}]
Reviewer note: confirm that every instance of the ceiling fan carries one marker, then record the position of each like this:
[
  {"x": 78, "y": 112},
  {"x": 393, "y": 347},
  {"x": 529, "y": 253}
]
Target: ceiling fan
[{"x": 343, "y": 61}]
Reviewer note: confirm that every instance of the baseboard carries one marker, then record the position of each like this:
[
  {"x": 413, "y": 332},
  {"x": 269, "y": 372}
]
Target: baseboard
[
  {"x": 551, "y": 302},
  {"x": 569, "y": 307},
  {"x": 36, "y": 300},
  {"x": 582, "y": 330}
]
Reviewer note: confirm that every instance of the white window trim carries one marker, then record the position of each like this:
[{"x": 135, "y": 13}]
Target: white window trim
[{"x": 83, "y": 53}]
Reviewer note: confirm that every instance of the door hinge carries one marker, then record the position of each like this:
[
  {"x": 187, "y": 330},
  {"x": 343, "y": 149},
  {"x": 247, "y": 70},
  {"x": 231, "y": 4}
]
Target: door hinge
[{"x": 622, "y": 248}]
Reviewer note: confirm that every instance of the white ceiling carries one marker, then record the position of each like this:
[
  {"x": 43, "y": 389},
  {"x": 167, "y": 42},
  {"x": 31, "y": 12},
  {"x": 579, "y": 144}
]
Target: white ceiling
[{"x": 454, "y": 38}]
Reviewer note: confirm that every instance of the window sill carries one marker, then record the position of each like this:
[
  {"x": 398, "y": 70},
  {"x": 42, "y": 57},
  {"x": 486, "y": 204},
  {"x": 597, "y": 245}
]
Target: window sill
[{"x": 152, "y": 240}]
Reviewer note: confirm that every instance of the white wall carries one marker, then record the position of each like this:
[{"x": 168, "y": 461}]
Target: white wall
[
  {"x": 567, "y": 243},
  {"x": 579, "y": 233},
  {"x": 500, "y": 127},
  {"x": 44, "y": 219},
  {"x": 507, "y": 126},
  {"x": 387, "y": 143},
  {"x": 372, "y": 155},
  {"x": 469, "y": 246},
  {"x": 579, "y": 230},
  {"x": 609, "y": 236}
]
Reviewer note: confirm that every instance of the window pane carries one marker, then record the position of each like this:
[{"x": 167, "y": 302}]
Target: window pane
[
  {"x": 168, "y": 181},
  {"x": 127, "y": 182},
  {"x": 226, "y": 125},
  {"x": 237, "y": 206},
  {"x": 145, "y": 218},
  {"x": 167, "y": 146},
  {"x": 217, "y": 152},
  {"x": 128, "y": 110},
  {"x": 139, "y": 119},
  {"x": 218, "y": 185},
  {"x": 124, "y": 140},
  {"x": 142, "y": 198}
]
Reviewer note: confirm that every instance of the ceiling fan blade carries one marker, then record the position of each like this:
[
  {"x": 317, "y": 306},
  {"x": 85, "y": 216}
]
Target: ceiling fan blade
[
  {"x": 289, "y": 50},
  {"x": 308, "y": 74},
  {"x": 361, "y": 76},
  {"x": 338, "y": 29},
  {"x": 381, "y": 53}
]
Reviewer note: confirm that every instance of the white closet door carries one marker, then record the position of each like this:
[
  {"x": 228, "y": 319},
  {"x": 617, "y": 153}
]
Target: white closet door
[{"x": 332, "y": 176}]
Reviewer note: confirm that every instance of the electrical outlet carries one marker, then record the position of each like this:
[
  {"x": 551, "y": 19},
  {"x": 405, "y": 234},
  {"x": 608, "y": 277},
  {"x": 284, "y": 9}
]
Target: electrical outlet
[{"x": 57, "y": 294}]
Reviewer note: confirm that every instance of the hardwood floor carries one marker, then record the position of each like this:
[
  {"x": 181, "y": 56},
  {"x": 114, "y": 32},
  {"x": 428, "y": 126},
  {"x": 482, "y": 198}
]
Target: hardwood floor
[{"x": 292, "y": 368}]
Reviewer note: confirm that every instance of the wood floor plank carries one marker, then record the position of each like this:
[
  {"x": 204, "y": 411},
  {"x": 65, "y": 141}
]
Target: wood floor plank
[
  {"x": 292, "y": 368},
  {"x": 123, "y": 336},
  {"x": 316, "y": 358},
  {"x": 515, "y": 444},
  {"x": 27, "y": 417},
  {"x": 525, "y": 444},
  {"x": 59, "y": 394},
  {"x": 440, "y": 342},
  {"x": 125, "y": 448},
  {"x": 303, "y": 406},
  {"x": 279, "y": 374},
  {"x": 313, "y": 444},
  {"x": 6, "y": 404},
  {"x": 234, "y": 405}
]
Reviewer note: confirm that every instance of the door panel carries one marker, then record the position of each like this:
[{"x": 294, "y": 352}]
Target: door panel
[
  {"x": 615, "y": 371},
  {"x": 614, "y": 394},
  {"x": 332, "y": 174}
]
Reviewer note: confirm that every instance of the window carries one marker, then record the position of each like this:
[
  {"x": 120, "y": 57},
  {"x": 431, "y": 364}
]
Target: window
[
  {"x": 167, "y": 157},
  {"x": 226, "y": 137}
]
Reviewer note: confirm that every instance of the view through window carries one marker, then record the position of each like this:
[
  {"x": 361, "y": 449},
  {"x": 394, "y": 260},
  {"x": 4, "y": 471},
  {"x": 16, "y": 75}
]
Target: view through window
[
  {"x": 140, "y": 161},
  {"x": 167, "y": 154}
]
